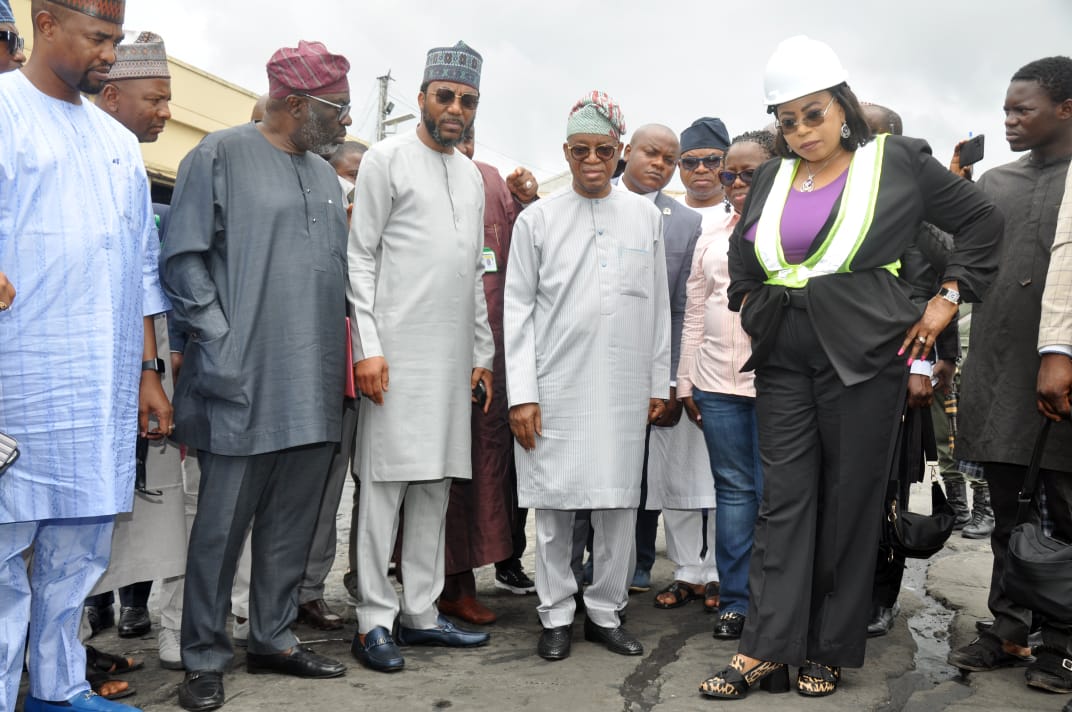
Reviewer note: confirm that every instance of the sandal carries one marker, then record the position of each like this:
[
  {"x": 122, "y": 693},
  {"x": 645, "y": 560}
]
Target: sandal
[
  {"x": 108, "y": 688},
  {"x": 675, "y": 595},
  {"x": 733, "y": 684},
  {"x": 99, "y": 661},
  {"x": 817, "y": 680},
  {"x": 710, "y": 597}
]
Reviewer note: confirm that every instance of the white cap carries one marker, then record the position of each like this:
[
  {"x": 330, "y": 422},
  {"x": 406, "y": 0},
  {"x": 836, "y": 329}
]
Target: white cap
[{"x": 801, "y": 66}]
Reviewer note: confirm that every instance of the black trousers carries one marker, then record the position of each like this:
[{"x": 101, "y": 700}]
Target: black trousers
[
  {"x": 1011, "y": 621},
  {"x": 826, "y": 450}
]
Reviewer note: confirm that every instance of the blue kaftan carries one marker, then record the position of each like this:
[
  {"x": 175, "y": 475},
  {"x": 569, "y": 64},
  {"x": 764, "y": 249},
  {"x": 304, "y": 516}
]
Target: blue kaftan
[{"x": 78, "y": 242}]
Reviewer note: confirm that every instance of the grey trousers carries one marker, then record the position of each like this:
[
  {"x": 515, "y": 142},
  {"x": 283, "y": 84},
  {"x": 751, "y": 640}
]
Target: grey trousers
[
  {"x": 271, "y": 490},
  {"x": 322, "y": 550},
  {"x": 613, "y": 560}
]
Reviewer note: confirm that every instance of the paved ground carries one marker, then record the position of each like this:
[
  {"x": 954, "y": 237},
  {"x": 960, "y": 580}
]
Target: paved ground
[{"x": 941, "y": 601}]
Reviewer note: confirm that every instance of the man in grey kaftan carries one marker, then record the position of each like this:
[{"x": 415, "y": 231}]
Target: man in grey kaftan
[
  {"x": 587, "y": 337},
  {"x": 254, "y": 262}
]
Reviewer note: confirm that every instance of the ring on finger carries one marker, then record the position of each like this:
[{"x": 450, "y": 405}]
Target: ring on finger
[{"x": 921, "y": 339}]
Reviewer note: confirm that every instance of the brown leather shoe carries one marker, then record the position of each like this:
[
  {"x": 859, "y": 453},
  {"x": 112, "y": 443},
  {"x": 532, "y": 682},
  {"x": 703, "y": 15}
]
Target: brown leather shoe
[
  {"x": 468, "y": 609},
  {"x": 317, "y": 614}
]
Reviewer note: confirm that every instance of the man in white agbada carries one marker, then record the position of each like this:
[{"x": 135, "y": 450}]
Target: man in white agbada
[
  {"x": 587, "y": 337},
  {"x": 421, "y": 345},
  {"x": 78, "y": 240}
]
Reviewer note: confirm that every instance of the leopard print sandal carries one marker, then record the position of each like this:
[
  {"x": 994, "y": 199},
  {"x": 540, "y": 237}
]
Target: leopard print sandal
[
  {"x": 732, "y": 684},
  {"x": 817, "y": 680}
]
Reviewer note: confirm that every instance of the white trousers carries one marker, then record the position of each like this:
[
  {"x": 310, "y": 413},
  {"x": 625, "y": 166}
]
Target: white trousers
[
  {"x": 69, "y": 557},
  {"x": 613, "y": 560},
  {"x": 422, "y": 552},
  {"x": 684, "y": 542}
]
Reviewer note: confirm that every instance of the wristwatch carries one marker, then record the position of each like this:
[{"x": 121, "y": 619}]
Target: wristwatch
[
  {"x": 153, "y": 364},
  {"x": 950, "y": 295}
]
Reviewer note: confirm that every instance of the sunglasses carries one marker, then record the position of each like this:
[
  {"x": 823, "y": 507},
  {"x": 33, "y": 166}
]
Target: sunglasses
[
  {"x": 728, "y": 178},
  {"x": 446, "y": 97},
  {"x": 691, "y": 163},
  {"x": 15, "y": 43},
  {"x": 604, "y": 151},
  {"x": 343, "y": 109},
  {"x": 812, "y": 118}
]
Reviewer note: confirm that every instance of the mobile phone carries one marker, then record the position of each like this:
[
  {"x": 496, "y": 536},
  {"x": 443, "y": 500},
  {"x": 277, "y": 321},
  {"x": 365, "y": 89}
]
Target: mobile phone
[
  {"x": 971, "y": 151},
  {"x": 480, "y": 393}
]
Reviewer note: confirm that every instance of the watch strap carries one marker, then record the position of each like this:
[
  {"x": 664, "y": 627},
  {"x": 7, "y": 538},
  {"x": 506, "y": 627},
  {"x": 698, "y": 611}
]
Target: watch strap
[{"x": 153, "y": 364}]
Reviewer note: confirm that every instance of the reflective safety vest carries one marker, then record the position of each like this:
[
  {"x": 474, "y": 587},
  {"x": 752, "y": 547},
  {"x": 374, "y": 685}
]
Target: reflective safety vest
[{"x": 847, "y": 233}]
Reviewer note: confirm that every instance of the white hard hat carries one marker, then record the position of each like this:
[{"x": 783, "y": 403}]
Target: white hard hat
[{"x": 801, "y": 66}]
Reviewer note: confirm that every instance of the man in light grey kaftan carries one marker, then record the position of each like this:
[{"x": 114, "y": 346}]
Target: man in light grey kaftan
[
  {"x": 587, "y": 337},
  {"x": 417, "y": 296}
]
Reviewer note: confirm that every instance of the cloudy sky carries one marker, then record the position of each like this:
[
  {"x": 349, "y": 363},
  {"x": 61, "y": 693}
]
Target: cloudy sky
[{"x": 944, "y": 65}]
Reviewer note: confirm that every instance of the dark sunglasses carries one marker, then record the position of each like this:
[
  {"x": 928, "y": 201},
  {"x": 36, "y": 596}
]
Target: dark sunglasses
[
  {"x": 446, "y": 97},
  {"x": 15, "y": 43},
  {"x": 604, "y": 151},
  {"x": 728, "y": 178},
  {"x": 711, "y": 163},
  {"x": 343, "y": 109},
  {"x": 812, "y": 118}
]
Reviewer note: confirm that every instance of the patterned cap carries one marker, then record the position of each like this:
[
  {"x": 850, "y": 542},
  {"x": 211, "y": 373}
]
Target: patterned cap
[
  {"x": 5, "y": 12},
  {"x": 460, "y": 63},
  {"x": 596, "y": 113},
  {"x": 144, "y": 58},
  {"x": 107, "y": 10},
  {"x": 705, "y": 132},
  {"x": 308, "y": 68}
]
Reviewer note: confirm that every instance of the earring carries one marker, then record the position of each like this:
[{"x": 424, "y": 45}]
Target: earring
[{"x": 845, "y": 130}]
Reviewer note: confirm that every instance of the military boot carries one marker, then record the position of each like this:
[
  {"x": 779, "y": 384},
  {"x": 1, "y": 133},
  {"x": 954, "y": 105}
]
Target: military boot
[
  {"x": 957, "y": 496},
  {"x": 982, "y": 522}
]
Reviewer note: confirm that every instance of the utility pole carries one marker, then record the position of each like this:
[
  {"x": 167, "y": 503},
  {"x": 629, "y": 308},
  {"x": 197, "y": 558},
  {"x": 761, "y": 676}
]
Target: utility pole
[{"x": 385, "y": 109}]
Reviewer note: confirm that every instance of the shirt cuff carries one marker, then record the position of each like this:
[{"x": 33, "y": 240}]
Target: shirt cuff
[
  {"x": 1056, "y": 349},
  {"x": 922, "y": 368}
]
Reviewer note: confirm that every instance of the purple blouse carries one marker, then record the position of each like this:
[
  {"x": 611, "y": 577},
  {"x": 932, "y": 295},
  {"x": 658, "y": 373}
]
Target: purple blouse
[{"x": 803, "y": 218}]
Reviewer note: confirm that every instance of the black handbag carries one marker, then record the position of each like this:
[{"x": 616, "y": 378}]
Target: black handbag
[
  {"x": 909, "y": 534},
  {"x": 1038, "y": 568}
]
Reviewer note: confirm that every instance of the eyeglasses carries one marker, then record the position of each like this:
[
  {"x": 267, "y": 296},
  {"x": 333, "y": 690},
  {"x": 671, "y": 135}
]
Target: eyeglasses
[
  {"x": 343, "y": 109},
  {"x": 446, "y": 97},
  {"x": 15, "y": 43},
  {"x": 812, "y": 118},
  {"x": 691, "y": 163},
  {"x": 604, "y": 151},
  {"x": 728, "y": 178}
]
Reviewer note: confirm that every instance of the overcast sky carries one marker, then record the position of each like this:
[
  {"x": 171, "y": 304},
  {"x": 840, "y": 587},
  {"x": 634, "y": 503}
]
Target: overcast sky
[{"x": 944, "y": 65}]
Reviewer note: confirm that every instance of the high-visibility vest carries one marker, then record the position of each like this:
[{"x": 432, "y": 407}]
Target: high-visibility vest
[{"x": 847, "y": 233}]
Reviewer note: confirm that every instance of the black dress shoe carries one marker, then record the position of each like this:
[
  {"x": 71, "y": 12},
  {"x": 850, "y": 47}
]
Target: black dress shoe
[
  {"x": 618, "y": 640},
  {"x": 100, "y": 618},
  {"x": 299, "y": 662},
  {"x": 555, "y": 643},
  {"x": 133, "y": 622},
  {"x": 317, "y": 614},
  {"x": 377, "y": 651},
  {"x": 201, "y": 690},
  {"x": 729, "y": 626},
  {"x": 881, "y": 620}
]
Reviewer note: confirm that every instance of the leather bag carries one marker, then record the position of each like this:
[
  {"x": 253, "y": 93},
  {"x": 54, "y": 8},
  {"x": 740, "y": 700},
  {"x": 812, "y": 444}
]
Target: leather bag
[{"x": 1038, "y": 568}]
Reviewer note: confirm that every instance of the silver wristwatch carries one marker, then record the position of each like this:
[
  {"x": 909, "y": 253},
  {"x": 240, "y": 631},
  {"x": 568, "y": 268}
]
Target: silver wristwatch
[{"x": 950, "y": 295}]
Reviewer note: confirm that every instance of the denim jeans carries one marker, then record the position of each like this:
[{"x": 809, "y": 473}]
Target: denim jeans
[{"x": 729, "y": 425}]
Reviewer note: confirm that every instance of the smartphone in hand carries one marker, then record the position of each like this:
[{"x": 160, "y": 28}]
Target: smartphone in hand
[{"x": 971, "y": 151}]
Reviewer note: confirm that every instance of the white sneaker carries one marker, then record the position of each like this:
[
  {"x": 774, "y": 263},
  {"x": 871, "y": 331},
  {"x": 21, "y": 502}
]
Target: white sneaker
[
  {"x": 170, "y": 650},
  {"x": 240, "y": 633}
]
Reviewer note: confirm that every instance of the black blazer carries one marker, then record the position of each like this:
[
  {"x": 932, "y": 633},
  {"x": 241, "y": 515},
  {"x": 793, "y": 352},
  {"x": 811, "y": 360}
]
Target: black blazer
[{"x": 860, "y": 317}]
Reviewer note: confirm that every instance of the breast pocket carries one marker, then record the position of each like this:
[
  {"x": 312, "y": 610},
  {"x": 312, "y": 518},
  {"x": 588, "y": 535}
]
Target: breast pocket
[
  {"x": 634, "y": 269},
  {"x": 328, "y": 231}
]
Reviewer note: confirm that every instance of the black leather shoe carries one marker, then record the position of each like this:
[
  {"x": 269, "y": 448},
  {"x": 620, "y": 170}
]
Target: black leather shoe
[
  {"x": 729, "y": 626},
  {"x": 100, "y": 618},
  {"x": 881, "y": 620},
  {"x": 445, "y": 633},
  {"x": 555, "y": 643},
  {"x": 201, "y": 690},
  {"x": 317, "y": 614},
  {"x": 377, "y": 651},
  {"x": 300, "y": 662},
  {"x": 618, "y": 640},
  {"x": 133, "y": 622}
]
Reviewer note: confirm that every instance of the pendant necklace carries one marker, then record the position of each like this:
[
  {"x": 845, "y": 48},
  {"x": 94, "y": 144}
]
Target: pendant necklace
[{"x": 809, "y": 183}]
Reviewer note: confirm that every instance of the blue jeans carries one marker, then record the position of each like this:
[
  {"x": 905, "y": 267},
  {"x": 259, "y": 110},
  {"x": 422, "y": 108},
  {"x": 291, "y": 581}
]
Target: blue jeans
[{"x": 729, "y": 425}]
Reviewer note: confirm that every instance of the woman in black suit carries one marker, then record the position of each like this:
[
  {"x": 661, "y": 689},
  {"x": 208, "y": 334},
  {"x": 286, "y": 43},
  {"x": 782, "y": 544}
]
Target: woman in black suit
[{"x": 814, "y": 265}]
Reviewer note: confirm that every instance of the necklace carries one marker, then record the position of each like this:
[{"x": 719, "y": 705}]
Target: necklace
[{"x": 809, "y": 183}]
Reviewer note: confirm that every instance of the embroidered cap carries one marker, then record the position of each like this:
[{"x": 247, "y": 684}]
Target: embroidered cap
[
  {"x": 107, "y": 10},
  {"x": 308, "y": 68},
  {"x": 596, "y": 113},
  {"x": 460, "y": 63},
  {"x": 144, "y": 58},
  {"x": 5, "y": 12},
  {"x": 705, "y": 132}
]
